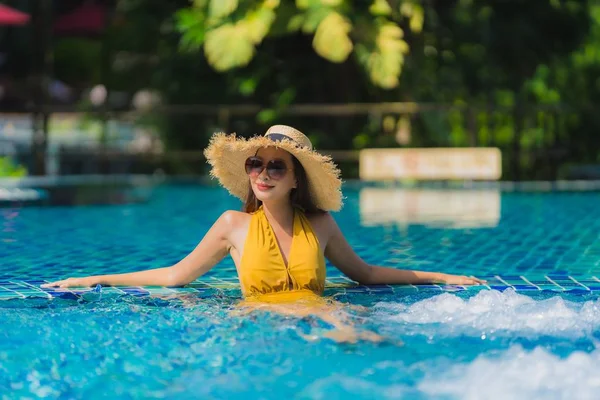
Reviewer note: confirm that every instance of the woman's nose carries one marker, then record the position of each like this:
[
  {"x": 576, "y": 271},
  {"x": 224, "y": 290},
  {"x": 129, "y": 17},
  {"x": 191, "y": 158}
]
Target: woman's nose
[{"x": 264, "y": 175}]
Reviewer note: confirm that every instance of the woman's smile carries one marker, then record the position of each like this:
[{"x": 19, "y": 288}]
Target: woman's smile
[{"x": 263, "y": 187}]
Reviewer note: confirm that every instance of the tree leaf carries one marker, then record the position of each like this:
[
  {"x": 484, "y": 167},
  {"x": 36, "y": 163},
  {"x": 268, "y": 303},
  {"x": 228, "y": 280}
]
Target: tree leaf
[
  {"x": 380, "y": 7},
  {"x": 188, "y": 18},
  {"x": 199, "y": 3},
  {"x": 248, "y": 86},
  {"x": 272, "y": 4},
  {"x": 228, "y": 46},
  {"x": 384, "y": 58},
  {"x": 266, "y": 116},
  {"x": 192, "y": 40},
  {"x": 389, "y": 39},
  {"x": 295, "y": 23},
  {"x": 232, "y": 45},
  {"x": 221, "y": 8},
  {"x": 190, "y": 22},
  {"x": 314, "y": 17},
  {"x": 257, "y": 23},
  {"x": 414, "y": 12},
  {"x": 331, "y": 39},
  {"x": 416, "y": 21},
  {"x": 304, "y": 4}
]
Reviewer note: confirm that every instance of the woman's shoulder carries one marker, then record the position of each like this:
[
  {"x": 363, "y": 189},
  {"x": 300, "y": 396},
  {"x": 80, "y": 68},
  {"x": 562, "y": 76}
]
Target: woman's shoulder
[
  {"x": 321, "y": 219},
  {"x": 234, "y": 218}
]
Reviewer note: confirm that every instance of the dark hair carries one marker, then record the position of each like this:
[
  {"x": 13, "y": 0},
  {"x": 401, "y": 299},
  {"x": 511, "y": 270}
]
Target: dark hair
[{"x": 299, "y": 196}]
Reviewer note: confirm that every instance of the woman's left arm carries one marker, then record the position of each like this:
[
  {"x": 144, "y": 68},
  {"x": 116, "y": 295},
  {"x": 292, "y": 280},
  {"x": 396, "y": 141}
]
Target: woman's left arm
[{"x": 341, "y": 254}]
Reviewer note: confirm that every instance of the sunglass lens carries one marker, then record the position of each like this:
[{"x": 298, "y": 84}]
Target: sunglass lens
[
  {"x": 254, "y": 166},
  {"x": 276, "y": 169}
]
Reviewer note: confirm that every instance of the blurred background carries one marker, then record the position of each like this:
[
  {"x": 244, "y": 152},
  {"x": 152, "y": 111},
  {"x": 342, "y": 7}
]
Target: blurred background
[{"x": 139, "y": 86}]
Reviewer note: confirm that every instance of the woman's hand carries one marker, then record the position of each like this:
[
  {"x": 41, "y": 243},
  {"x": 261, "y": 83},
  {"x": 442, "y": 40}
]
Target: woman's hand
[
  {"x": 73, "y": 282},
  {"x": 461, "y": 280}
]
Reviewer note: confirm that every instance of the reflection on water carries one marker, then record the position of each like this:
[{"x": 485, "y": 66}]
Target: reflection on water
[{"x": 433, "y": 207}]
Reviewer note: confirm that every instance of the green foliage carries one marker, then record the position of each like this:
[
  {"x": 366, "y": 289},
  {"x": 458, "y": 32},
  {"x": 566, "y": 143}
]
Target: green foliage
[
  {"x": 74, "y": 58},
  {"x": 332, "y": 39},
  {"x": 384, "y": 56},
  {"x": 494, "y": 61},
  {"x": 230, "y": 32},
  {"x": 218, "y": 9},
  {"x": 9, "y": 169},
  {"x": 414, "y": 12},
  {"x": 228, "y": 46},
  {"x": 380, "y": 7}
]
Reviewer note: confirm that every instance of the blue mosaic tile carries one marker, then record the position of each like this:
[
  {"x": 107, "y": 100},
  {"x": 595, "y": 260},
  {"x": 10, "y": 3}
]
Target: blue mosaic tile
[
  {"x": 135, "y": 291},
  {"x": 62, "y": 294},
  {"x": 21, "y": 289},
  {"x": 537, "y": 241},
  {"x": 380, "y": 289},
  {"x": 452, "y": 288},
  {"x": 525, "y": 287},
  {"x": 515, "y": 278},
  {"x": 499, "y": 288},
  {"x": 429, "y": 287},
  {"x": 357, "y": 289}
]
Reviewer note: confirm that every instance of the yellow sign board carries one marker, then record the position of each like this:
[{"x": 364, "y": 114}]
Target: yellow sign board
[{"x": 431, "y": 164}]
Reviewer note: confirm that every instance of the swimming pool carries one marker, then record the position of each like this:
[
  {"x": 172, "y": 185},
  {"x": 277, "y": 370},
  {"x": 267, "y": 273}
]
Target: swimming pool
[{"x": 531, "y": 332}]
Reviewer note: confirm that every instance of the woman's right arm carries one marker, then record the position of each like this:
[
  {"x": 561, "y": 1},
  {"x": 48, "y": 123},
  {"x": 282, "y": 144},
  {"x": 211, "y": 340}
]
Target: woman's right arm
[{"x": 212, "y": 248}]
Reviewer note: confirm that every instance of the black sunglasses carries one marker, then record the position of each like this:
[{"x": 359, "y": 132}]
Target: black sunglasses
[{"x": 276, "y": 169}]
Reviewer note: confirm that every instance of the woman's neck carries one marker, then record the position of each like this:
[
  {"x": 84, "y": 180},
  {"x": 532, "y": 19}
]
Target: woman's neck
[{"x": 282, "y": 213}]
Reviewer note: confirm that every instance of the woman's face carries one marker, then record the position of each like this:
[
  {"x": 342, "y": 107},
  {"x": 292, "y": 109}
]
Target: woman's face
[{"x": 281, "y": 180}]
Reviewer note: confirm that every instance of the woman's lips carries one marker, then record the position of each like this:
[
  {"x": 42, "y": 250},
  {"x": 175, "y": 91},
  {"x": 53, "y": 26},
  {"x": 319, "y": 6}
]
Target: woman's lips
[{"x": 262, "y": 187}]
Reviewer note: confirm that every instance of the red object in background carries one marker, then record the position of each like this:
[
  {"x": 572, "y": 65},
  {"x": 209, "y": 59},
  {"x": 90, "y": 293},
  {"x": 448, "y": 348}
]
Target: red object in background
[
  {"x": 10, "y": 16},
  {"x": 88, "y": 19}
]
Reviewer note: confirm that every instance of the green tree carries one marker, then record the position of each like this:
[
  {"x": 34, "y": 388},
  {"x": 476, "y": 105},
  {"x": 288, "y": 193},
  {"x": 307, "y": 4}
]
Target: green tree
[
  {"x": 274, "y": 53},
  {"x": 229, "y": 31}
]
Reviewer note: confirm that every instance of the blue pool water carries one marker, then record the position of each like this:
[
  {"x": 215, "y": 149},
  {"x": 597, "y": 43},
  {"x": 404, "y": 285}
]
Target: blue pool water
[{"x": 532, "y": 332}]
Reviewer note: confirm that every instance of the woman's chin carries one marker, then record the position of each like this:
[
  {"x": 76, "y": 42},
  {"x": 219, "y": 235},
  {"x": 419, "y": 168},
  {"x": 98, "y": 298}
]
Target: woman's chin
[{"x": 267, "y": 196}]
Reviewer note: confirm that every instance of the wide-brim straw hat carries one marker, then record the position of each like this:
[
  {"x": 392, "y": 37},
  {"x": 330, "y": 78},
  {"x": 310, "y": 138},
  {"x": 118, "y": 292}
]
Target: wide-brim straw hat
[{"x": 227, "y": 155}]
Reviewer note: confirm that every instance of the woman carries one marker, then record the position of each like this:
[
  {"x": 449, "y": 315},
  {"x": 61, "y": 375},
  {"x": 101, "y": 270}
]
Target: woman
[{"x": 280, "y": 240}]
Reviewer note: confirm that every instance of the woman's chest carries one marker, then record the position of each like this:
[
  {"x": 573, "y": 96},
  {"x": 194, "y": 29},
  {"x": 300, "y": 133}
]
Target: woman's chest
[{"x": 283, "y": 245}]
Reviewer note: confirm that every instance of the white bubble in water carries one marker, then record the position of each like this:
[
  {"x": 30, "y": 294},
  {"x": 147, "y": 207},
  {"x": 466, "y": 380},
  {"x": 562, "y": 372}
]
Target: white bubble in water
[
  {"x": 492, "y": 311},
  {"x": 519, "y": 374}
]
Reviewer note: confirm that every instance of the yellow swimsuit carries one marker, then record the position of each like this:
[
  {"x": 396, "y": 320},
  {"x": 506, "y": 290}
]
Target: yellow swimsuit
[{"x": 263, "y": 273}]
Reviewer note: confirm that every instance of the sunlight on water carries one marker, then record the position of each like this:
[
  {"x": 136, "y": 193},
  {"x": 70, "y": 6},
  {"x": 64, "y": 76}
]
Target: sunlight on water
[
  {"x": 469, "y": 344},
  {"x": 185, "y": 346}
]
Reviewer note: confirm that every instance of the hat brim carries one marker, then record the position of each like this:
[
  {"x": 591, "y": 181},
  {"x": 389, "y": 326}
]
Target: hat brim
[{"x": 227, "y": 155}]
